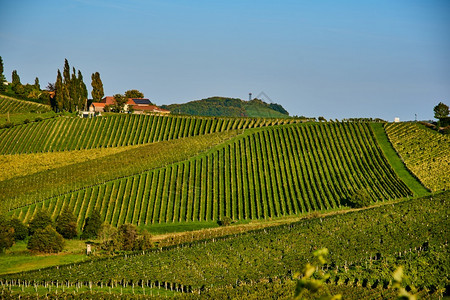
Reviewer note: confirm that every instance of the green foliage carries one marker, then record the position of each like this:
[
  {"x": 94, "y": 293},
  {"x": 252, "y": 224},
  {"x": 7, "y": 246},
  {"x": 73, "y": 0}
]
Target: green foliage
[
  {"x": 20, "y": 230},
  {"x": 2, "y": 77},
  {"x": 119, "y": 103},
  {"x": 134, "y": 94},
  {"x": 92, "y": 225},
  {"x": 46, "y": 240},
  {"x": 225, "y": 221},
  {"x": 40, "y": 221},
  {"x": 127, "y": 235},
  {"x": 366, "y": 244},
  {"x": 6, "y": 234},
  {"x": 425, "y": 152},
  {"x": 313, "y": 279},
  {"x": 70, "y": 91},
  {"x": 441, "y": 111},
  {"x": 66, "y": 224},
  {"x": 231, "y": 107},
  {"x": 361, "y": 198},
  {"x": 97, "y": 87}
]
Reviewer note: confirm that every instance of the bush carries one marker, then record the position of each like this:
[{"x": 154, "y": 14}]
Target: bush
[
  {"x": 20, "y": 230},
  {"x": 226, "y": 221},
  {"x": 127, "y": 235},
  {"x": 38, "y": 119},
  {"x": 40, "y": 221},
  {"x": 26, "y": 121},
  {"x": 360, "y": 198},
  {"x": 46, "y": 240}
]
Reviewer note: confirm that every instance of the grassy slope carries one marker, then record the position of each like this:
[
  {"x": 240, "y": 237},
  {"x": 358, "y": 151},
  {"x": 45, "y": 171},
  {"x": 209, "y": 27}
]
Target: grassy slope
[
  {"x": 352, "y": 238},
  {"x": 24, "y": 189},
  {"x": 395, "y": 161},
  {"x": 276, "y": 202},
  {"x": 19, "y": 165},
  {"x": 262, "y": 112},
  {"x": 21, "y": 118},
  {"x": 19, "y": 259},
  {"x": 425, "y": 152}
]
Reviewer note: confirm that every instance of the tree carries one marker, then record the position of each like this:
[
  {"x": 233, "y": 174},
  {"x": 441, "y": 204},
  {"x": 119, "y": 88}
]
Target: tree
[
  {"x": 40, "y": 221},
  {"x": 66, "y": 224},
  {"x": 36, "y": 84},
  {"x": 92, "y": 225},
  {"x": 360, "y": 198},
  {"x": 16, "y": 85},
  {"x": 83, "y": 91},
  {"x": 6, "y": 234},
  {"x": 143, "y": 241},
  {"x": 441, "y": 111},
  {"x": 2, "y": 77},
  {"x": 59, "y": 92},
  {"x": 20, "y": 230},
  {"x": 46, "y": 240},
  {"x": 127, "y": 234},
  {"x": 97, "y": 87},
  {"x": 119, "y": 103},
  {"x": 133, "y": 94}
]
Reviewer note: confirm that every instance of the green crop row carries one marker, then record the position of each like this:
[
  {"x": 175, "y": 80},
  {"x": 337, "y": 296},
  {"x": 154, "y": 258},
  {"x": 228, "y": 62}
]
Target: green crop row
[
  {"x": 425, "y": 152},
  {"x": 11, "y": 105},
  {"x": 365, "y": 246},
  {"x": 64, "y": 134},
  {"x": 264, "y": 173}
]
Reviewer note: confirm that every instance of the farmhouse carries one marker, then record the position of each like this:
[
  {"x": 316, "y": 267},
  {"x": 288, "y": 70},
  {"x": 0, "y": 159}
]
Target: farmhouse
[{"x": 136, "y": 105}]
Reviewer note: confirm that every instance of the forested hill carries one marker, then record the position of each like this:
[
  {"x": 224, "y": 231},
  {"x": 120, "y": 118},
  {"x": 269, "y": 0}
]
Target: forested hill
[{"x": 229, "y": 107}]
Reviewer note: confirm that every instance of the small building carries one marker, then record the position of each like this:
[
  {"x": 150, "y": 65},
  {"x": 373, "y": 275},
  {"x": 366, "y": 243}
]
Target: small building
[{"x": 396, "y": 120}]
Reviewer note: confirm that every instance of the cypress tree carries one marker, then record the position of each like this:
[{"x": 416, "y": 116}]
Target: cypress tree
[
  {"x": 83, "y": 90},
  {"x": 97, "y": 87},
  {"x": 2, "y": 78},
  {"x": 74, "y": 91},
  {"x": 59, "y": 92},
  {"x": 36, "y": 84},
  {"x": 92, "y": 226}
]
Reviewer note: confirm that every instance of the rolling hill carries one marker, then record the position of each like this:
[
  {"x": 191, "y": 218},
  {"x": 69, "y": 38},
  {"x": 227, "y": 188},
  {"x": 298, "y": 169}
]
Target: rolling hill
[{"x": 229, "y": 107}]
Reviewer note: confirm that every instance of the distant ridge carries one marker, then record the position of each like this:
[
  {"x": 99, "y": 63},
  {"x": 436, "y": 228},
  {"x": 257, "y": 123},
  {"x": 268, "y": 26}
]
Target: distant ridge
[{"x": 228, "y": 107}]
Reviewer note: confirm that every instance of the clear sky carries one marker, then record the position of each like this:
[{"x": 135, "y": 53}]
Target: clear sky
[{"x": 337, "y": 59}]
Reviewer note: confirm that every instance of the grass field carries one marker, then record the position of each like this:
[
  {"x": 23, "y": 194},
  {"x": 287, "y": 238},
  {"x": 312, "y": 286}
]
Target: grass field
[{"x": 395, "y": 161}]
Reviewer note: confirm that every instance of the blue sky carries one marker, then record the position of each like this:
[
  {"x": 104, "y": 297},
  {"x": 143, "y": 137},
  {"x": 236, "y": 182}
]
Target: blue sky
[{"x": 335, "y": 59}]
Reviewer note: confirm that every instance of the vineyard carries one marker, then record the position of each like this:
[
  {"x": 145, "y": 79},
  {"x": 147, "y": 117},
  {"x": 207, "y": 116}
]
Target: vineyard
[
  {"x": 426, "y": 153},
  {"x": 263, "y": 173},
  {"x": 11, "y": 105},
  {"x": 364, "y": 248},
  {"x": 64, "y": 134}
]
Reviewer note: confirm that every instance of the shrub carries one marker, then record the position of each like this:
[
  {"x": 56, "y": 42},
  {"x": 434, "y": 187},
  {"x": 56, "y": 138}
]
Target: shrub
[
  {"x": 20, "y": 230},
  {"x": 26, "y": 121},
  {"x": 38, "y": 119},
  {"x": 226, "y": 221},
  {"x": 360, "y": 198},
  {"x": 46, "y": 240},
  {"x": 144, "y": 241},
  {"x": 40, "y": 221},
  {"x": 127, "y": 235}
]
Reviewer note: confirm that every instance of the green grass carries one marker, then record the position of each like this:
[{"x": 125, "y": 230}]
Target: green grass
[
  {"x": 396, "y": 162},
  {"x": 179, "y": 227},
  {"x": 19, "y": 259},
  {"x": 20, "y": 118},
  {"x": 262, "y": 112}
]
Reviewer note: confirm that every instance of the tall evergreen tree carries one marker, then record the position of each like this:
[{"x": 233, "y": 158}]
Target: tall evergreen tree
[
  {"x": 16, "y": 85},
  {"x": 36, "y": 84},
  {"x": 97, "y": 87},
  {"x": 59, "y": 92},
  {"x": 2, "y": 77},
  {"x": 92, "y": 225},
  {"x": 74, "y": 91},
  {"x": 83, "y": 91}
]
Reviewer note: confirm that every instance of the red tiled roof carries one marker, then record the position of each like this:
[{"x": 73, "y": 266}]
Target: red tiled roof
[{"x": 98, "y": 104}]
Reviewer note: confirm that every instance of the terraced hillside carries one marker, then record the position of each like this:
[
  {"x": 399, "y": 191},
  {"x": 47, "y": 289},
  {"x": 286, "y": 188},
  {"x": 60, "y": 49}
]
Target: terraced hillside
[
  {"x": 62, "y": 134},
  {"x": 365, "y": 247},
  {"x": 425, "y": 152},
  {"x": 264, "y": 173},
  {"x": 12, "y": 106}
]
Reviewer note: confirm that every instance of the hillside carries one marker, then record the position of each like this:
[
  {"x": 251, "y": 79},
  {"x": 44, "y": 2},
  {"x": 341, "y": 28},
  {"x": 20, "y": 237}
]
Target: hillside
[
  {"x": 263, "y": 173},
  {"x": 229, "y": 107},
  {"x": 365, "y": 247},
  {"x": 425, "y": 152},
  {"x": 63, "y": 134}
]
